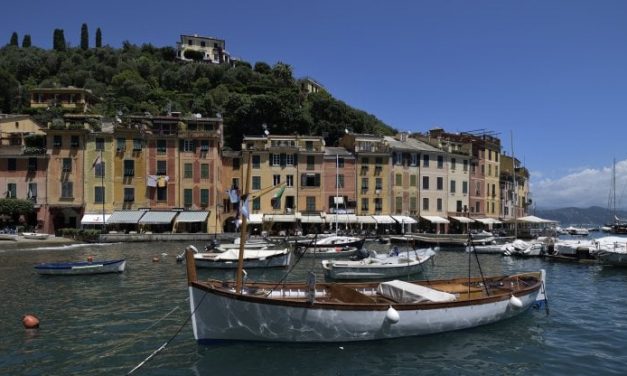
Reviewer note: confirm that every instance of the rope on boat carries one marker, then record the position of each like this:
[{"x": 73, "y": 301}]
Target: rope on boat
[
  {"x": 487, "y": 291},
  {"x": 546, "y": 299},
  {"x": 298, "y": 257},
  {"x": 157, "y": 351}
]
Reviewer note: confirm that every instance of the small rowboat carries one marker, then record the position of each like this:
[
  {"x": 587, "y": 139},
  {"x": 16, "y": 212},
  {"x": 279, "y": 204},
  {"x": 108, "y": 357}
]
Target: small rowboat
[
  {"x": 81, "y": 267},
  {"x": 35, "y": 235}
]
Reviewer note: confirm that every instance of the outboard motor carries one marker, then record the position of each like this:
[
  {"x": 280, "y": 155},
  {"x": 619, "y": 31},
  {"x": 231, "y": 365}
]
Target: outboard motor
[
  {"x": 361, "y": 254},
  {"x": 212, "y": 245}
]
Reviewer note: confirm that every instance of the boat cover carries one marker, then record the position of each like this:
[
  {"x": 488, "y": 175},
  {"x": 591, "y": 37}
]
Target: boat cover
[{"x": 405, "y": 292}]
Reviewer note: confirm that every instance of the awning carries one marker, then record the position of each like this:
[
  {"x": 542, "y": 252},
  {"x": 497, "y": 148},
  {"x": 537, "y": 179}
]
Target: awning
[
  {"x": 311, "y": 219},
  {"x": 255, "y": 219},
  {"x": 126, "y": 216},
  {"x": 435, "y": 219},
  {"x": 383, "y": 219},
  {"x": 158, "y": 217},
  {"x": 534, "y": 219},
  {"x": 463, "y": 219},
  {"x": 192, "y": 216},
  {"x": 94, "y": 219},
  {"x": 341, "y": 218},
  {"x": 488, "y": 221},
  {"x": 403, "y": 219},
  {"x": 279, "y": 218},
  {"x": 366, "y": 219}
]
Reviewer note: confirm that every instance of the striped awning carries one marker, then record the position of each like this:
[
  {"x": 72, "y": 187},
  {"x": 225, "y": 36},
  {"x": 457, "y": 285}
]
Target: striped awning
[
  {"x": 434, "y": 219},
  {"x": 403, "y": 219},
  {"x": 463, "y": 219},
  {"x": 126, "y": 216},
  {"x": 366, "y": 219},
  {"x": 192, "y": 216},
  {"x": 94, "y": 219},
  {"x": 383, "y": 219},
  {"x": 157, "y": 217}
]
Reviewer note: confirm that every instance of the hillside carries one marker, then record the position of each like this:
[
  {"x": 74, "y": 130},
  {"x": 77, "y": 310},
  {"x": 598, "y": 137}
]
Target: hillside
[
  {"x": 594, "y": 215},
  {"x": 139, "y": 79}
]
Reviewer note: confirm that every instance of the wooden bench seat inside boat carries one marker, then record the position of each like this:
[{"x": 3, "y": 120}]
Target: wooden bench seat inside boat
[
  {"x": 343, "y": 294},
  {"x": 405, "y": 292}
]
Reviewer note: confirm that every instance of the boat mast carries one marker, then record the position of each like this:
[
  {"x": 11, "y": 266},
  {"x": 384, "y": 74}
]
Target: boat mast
[
  {"x": 242, "y": 239},
  {"x": 337, "y": 188},
  {"x": 515, "y": 195}
]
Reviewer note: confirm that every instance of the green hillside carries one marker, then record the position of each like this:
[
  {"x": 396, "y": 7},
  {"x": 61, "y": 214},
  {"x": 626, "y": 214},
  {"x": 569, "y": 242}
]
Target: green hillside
[{"x": 139, "y": 79}]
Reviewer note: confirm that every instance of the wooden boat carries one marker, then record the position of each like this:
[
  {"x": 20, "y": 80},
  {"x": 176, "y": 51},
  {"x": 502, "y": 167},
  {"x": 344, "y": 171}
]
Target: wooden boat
[
  {"x": 328, "y": 252},
  {"x": 253, "y": 258},
  {"x": 35, "y": 235},
  {"x": 81, "y": 267},
  {"x": 342, "y": 312},
  {"x": 5, "y": 236},
  {"x": 376, "y": 266},
  {"x": 332, "y": 241}
]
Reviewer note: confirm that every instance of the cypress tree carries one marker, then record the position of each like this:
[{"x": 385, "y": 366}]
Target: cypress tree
[
  {"x": 13, "y": 41},
  {"x": 26, "y": 41},
  {"x": 84, "y": 37},
  {"x": 58, "y": 40},
  {"x": 98, "y": 38}
]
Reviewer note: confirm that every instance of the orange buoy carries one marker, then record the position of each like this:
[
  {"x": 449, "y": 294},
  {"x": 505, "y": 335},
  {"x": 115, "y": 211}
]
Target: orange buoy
[
  {"x": 90, "y": 258},
  {"x": 30, "y": 321},
  {"x": 155, "y": 259}
]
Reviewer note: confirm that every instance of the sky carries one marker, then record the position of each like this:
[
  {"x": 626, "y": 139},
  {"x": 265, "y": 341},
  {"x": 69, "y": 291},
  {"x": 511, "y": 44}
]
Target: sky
[{"x": 548, "y": 77}]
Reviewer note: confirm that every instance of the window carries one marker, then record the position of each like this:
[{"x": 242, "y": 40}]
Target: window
[
  {"x": 32, "y": 164},
  {"x": 32, "y": 192},
  {"x": 465, "y": 187},
  {"x": 162, "y": 167},
  {"x": 311, "y": 203},
  {"x": 256, "y": 182},
  {"x": 310, "y": 180},
  {"x": 365, "y": 161},
  {"x": 496, "y": 171},
  {"x": 425, "y": 182},
  {"x": 489, "y": 170},
  {"x": 275, "y": 159},
  {"x": 137, "y": 144},
  {"x": 412, "y": 204},
  {"x": 161, "y": 146},
  {"x": 187, "y": 197},
  {"x": 425, "y": 203},
  {"x": 414, "y": 159},
  {"x": 74, "y": 142},
  {"x": 478, "y": 190},
  {"x": 204, "y": 171},
  {"x": 162, "y": 193},
  {"x": 289, "y": 180},
  {"x": 440, "y": 161},
  {"x": 378, "y": 205},
  {"x": 453, "y": 163},
  {"x": 100, "y": 143},
  {"x": 67, "y": 190},
  {"x": 289, "y": 159},
  {"x": 378, "y": 184},
  {"x": 364, "y": 185},
  {"x": 489, "y": 155},
  {"x": 453, "y": 186},
  {"x": 399, "y": 205},
  {"x": 129, "y": 194},
  {"x": 235, "y": 163},
  {"x": 439, "y": 204},
  {"x": 397, "y": 158},
  {"x": 439, "y": 183},
  {"x": 204, "y": 197},
  {"x": 99, "y": 170},
  {"x": 364, "y": 204},
  {"x": 120, "y": 144},
  {"x": 412, "y": 180},
  {"x": 11, "y": 190},
  {"x": 257, "y": 204},
  {"x": 204, "y": 146},
  {"x": 399, "y": 180},
  {"x": 67, "y": 164},
  {"x": 340, "y": 162},
  {"x": 99, "y": 195},
  {"x": 189, "y": 146},
  {"x": 339, "y": 181},
  {"x": 478, "y": 207},
  {"x": 57, "y": 141},
  {"x": 465, "y": 165},
  {"x": 378, "y": 161},
  {"x": 187, "y": 171},
  {"x": 12, "y": 164},
  {"x": 276, "y": 179},
  {"x": 496, "y": 156},
  {"x": 256, "y": 161},
  {"x": 425, "y": 160},
  {"x": 310, "y": 162},
  {"x": 458, "y": 206},
  {"x": 129, "y": 167}
]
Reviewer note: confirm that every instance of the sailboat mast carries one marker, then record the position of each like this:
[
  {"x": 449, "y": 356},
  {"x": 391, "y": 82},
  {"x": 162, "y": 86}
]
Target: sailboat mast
[
  {"x": 242, "y": 238},
  {"x": 515, "y": 195},
  {"x": 337, "y": 187},
  {"x": 614, "y": 189}
]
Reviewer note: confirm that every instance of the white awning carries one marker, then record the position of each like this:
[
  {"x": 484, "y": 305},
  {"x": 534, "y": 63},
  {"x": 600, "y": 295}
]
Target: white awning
[
  {"x": 488, "y": 221},
  {"x": 365, "y": 219},
  {"x": 383, "y": 219},
  {"x": 94, "y": 219},
  {"x": 341, "y": 218},
  {"x": 311, "y": 219},
  {"x": 255, "y": 219},
  {"x": 192, "y": 216},
  {"x": 126, "y": 216},
  {"x": 435, "y": 219},
  {"x": 157, "y": 217},
  {"x": 279, "y": 218},
  {"x": 403, "y": 219},
  {"x": 534, "y": 219},
  {"x": 463, "y": 219}
]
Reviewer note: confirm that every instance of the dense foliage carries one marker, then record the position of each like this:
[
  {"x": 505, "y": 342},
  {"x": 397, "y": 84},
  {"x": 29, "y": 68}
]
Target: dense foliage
[
  {"x": 139, "y": 79},
  {"x": 13, "y": 208}
]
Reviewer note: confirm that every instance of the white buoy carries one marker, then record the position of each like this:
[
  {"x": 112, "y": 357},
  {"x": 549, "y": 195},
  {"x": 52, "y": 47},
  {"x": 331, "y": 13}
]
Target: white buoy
[
  {"x": 392, "y": 315},
  {"x": 514, "y": 301}
]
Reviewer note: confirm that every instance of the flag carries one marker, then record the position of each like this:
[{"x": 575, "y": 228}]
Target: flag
[
  {"x": 244, "y": 210},
  {"x": 97, "y": 162},
  {"x": 234, "y": 195},
  {"x": 276, "y": 199}
]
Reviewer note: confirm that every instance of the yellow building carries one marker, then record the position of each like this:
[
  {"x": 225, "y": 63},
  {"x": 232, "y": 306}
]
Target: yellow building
[
  {"x": 98, "y": 177},
  {"x": 68, "y": 98},
  {"x": 491, "y": 153}
]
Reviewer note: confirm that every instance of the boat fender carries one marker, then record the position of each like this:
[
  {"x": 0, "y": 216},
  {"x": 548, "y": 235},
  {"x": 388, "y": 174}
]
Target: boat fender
[
  {"x": 30, "y": 321},
  {"x": 155, "y": 259},
  {"x": 392, "y": 315},
  {"x": 515, "y": 302},
  {"x": 90, "y": 258}
]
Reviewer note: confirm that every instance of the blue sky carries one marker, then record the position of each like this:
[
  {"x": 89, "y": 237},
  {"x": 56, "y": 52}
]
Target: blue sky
[{"x": 551, "y": 73}]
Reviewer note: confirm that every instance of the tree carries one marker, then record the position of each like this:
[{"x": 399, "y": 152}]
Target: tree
[
  {"x": 58, "y": 40},
  {"x": 84, "y": 37},
  {"x": 98, "y": 38},
  {"x": 26, "y": 41},
  {"x": 13, "y": 41}
]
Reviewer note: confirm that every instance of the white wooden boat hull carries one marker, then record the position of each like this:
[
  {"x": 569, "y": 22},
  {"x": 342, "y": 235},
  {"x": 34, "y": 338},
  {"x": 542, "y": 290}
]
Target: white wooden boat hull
[
  {"x": 376, "y": 268},
  {"x": 612, "y": 258},
  {"x": 35, "y": 236},
  {"x": 252, "y": 259},
  {"x": 81, "y": 268}
]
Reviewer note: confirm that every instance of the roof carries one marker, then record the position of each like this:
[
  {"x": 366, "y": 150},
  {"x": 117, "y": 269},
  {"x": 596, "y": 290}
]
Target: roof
[
  {"x": 192, "y": 216},
  {"x": 157, "y": 217}
]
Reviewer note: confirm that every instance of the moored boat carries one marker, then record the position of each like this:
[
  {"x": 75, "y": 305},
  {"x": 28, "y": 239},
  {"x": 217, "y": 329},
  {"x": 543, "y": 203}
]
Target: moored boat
[
  {"x": 253, "y": 258},
  {"x": 81, "y": 267},
  {"x": 35, "y": 235}
]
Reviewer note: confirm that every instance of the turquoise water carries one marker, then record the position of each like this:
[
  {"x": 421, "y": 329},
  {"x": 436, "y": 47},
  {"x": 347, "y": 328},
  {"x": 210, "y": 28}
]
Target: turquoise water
[{"x": 108, "y": 324}]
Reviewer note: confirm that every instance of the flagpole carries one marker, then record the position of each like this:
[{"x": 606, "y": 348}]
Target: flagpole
[{"x": 102, "y": 169}]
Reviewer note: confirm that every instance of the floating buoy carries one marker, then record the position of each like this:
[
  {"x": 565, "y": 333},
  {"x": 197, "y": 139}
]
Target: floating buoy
[
  {"x": 514, "y": 301},
  {"x": 30, "y": 321},
  {"x": 392, "y": 315},
  {"x": 155, "y": 259},
  {"x": 90, "y": 258}
]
